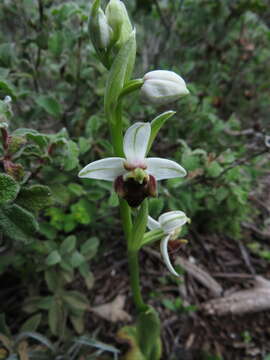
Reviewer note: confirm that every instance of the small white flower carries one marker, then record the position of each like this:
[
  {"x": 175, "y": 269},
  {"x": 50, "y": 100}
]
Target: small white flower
[
  {"x": 135, "y": 176},
  {"x": 7, "y": 99},
  {"x": 171, "y": 223},
  {"x": 162, "y": 87}
]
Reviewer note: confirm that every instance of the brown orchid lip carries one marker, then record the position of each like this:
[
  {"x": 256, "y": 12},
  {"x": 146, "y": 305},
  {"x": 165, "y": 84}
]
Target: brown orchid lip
[{"x": 133, "y": 192}]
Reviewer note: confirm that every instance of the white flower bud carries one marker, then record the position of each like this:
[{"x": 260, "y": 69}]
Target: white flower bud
[
  {"x": 100, "y": 31},
  {"x": 119, "y": 21},
  {"x": 162, "y": 87}
]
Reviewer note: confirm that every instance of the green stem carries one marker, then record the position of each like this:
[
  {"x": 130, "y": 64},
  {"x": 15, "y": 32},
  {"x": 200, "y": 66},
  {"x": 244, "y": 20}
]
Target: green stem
[
  {"x": 126, "y": 217},
  {"x": 116, "y": 126},
  {"x": 133, "y": 264}
]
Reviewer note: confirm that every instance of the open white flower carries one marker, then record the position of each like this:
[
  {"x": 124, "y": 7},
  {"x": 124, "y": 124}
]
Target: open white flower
[
  {"x": 135, "y": 176},
  {"x": 171, "y": 223}
]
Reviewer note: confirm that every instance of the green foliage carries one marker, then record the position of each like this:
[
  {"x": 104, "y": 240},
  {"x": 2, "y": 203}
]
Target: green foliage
[{"x": 9, "y": 188}]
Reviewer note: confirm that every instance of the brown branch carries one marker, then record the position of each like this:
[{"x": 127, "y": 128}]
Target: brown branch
[
  {"x": 201, "y": 276},
  {"x": 241, "y": 302}
]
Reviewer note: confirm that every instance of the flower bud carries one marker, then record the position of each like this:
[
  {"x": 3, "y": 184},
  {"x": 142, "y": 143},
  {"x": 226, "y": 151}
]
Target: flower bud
[
  {"x": 162, "y": 87},
  {"x": 119, "y": 21},
  {"x": 100, "y": 31}
]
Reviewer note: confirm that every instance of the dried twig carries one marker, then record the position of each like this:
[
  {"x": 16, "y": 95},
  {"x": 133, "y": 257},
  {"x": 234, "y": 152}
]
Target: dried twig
[
  {"x": 241, "y": 302},
  {"x": 201, "y": 276}
]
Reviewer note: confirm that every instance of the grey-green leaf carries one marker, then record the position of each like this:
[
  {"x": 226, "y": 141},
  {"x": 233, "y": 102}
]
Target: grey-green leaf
[
  {"x": 18, "y": 223},
  {"x": 9, "y": 188}
]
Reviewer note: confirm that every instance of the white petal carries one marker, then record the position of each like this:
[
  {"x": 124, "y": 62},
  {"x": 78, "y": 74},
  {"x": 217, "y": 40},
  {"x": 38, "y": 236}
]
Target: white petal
[
  {"x": 136, "y": 141},
  {"x": 164, "y": 75},
  {"x": 105, "y": 169},
  {"x": 164, "y": 169},
  {"x": 165, "y": 255},
  {"x": 152, "y": 224},
  {"x": 163, "y": 91},
  {"x": 172, "y": 220}
]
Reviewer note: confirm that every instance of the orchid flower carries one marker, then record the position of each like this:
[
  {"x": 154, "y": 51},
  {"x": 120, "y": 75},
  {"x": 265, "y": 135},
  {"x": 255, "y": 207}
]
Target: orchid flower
[
  {"x": 134, "y": 176},
  {"x": 171, "y": 223}
]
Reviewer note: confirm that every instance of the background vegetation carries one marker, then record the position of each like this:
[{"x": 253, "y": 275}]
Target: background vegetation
[{"x": 57, "y": 229}]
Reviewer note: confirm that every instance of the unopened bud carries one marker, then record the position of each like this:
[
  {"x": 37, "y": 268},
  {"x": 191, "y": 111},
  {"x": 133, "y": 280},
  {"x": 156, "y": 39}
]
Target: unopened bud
[
  {"x": 162, "y": 87},
  {"x": 119, "y": 21},
  {"x": 100, "y": 31}
]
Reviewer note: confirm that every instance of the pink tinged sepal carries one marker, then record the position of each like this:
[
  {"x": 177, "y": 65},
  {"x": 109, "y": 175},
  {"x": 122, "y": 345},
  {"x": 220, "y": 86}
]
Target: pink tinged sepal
[
  {"x": 165, "y": 255},
  {"x": 106, "y": 169}
]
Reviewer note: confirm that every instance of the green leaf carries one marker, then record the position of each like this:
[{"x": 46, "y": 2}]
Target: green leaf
[
  {"x": 120, "y": 72},
  {"x": 76, "y": 300},
  {"x": 9, "y": 188},
  {"x": 7, "y": 89},
  {"x": 53, "y": 259},
  {"x": 148, "y": 334},
  {"x": 214, "y": 169},
  {"x": 56, "y": 43},
  {"x": 85, "y": 340},
  {"x": 36, "y": 336},
  {"x": 17, "y": 223},
  {"x": 71, "y": 160},
  {"x": 49, "y": 104},
  {"x": 89, "y": 248},
  {"x": 77, "y": 259},
  {"x": 87, "y": 275},
  {"x": 76, "y": 189},
  {"x": 32, "y": 323},
  {"x": 34, "y": 198},
  {"x": 56, "y": 317},
  {"x": 128, "y": 334},
  {"x": 156, "y": 125},
  {"x": 41, "y": 140},
  {"x": 68, "y": 245},
  {"x": 78, "y": 322},
  {"x": 81, "y": 211},
  {"x": 53, "y": 280}
]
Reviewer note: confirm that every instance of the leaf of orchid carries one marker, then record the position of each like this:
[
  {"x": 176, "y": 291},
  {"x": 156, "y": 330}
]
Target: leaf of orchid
[
  {"x": 165, "y": 255},
  {"x": 172, "y": 220},
  {"x": 105, "y": 169},
  {"x": 131, "y": 57},
  {"x": 139, "y": 226},
  {"x": 135, "y": 142},
  {"x": 156, "y": 125},
  {"x": 152, "y": 224},
  {"x": 164, "y": 169},
  {"x": 119, "y": 74}
]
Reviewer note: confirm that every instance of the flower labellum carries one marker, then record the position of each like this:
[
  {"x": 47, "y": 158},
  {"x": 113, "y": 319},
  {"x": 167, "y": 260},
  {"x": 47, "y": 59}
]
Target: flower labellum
[
  {"x": 162, "y": 87},
  {"x": 171, "y": 223},
  {"x": 135, "y": 176}
]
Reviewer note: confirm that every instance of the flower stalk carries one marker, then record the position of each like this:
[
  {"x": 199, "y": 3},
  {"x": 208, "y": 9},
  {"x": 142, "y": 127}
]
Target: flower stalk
[{"x": 134, "y": 175}]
